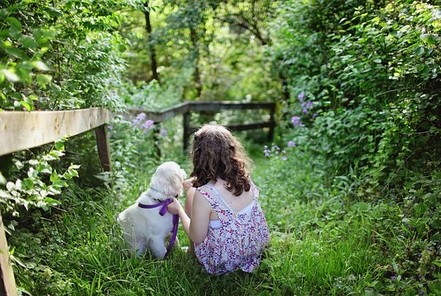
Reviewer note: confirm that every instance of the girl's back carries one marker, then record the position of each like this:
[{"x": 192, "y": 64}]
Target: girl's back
[
  {"x": 237, "y": 231},
  {"x": 235, "y": 203}
]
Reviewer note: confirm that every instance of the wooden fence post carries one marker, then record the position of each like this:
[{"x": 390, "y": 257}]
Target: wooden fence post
[
  {"x": 7, "y": 280},
  {"x": 186, "y": 126},
  {"x": 272, "y": 123},
  {"x": 103, "y": 147}
]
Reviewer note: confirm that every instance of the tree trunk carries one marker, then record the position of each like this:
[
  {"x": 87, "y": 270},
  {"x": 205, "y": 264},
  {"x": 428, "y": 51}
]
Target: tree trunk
[
  {"x": 153, "y": 60},
  {"x": 196, "y": 73}
]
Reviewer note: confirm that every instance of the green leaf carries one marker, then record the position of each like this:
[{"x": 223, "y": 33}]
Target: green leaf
[
  {"x": 4, "y": 33},
  {"x": 43, "y": 80},
  {"x": 54, "y": 191},
  {"x": 54, "y": 177},
  {"x": 25, "y": 74},
  {"x": 51, "y": 201},
  {"x": 10, "y": 75},
  {"x": 59, "y": 145},
  {"x": 56, "y": 154},
  {"x": 40, "y": 66},
  {"x": 14, "y": 23},
  {"x": 429, "y": 39},
  {"x": 27, "y": 41},
  {"x": 26, "y": 105},
  {"x": 15, "y": 52},
  {"x": 50, "y": 157},
  {"x": 28, "y": 183},
  {"x": 59, "y": 184}
]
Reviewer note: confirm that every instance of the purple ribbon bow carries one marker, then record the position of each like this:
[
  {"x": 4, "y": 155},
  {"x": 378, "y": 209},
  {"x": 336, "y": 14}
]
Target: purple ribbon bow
[{"x": 163, "y": 204}]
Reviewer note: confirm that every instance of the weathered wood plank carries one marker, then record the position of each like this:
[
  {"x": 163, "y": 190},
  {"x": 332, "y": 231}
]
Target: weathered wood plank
[
  {"x": 189, "y": 130},
  {"x": 7, "y": 280},
  {"x": 216, "y": 106},
  {"x": 200, "y": 106},
  {"x": 249, "y": 126},
  {"x": 21, "y": 130},
  {"x": 162, "y": 115}
]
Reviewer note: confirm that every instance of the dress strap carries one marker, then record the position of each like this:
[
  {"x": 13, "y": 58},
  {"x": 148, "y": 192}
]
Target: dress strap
[
  {"x": 255, "y": 190},
  {"x": 210, "y": 195},
  {"x": 214, "y": 199}
]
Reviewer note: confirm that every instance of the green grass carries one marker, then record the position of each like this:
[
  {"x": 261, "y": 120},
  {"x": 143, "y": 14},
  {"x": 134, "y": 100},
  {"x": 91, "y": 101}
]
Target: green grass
[{"x": 321, "y": 244}]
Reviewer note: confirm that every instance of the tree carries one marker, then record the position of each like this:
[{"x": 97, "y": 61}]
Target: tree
[{"x": 152, "y": 50}]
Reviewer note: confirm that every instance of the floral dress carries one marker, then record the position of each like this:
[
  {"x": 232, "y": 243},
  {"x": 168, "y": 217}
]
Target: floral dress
[{"x": 237, "y": 239}]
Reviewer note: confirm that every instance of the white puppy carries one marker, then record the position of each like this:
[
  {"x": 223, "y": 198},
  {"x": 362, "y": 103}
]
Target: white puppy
[{"x": 146, "y": 223}]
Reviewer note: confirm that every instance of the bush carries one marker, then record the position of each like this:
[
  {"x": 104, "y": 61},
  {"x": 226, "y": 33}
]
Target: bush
[{"x": 371, "y": 72}]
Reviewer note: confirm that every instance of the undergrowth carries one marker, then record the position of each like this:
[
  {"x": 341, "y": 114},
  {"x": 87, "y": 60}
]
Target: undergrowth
[{"x": 322, "y": 242}]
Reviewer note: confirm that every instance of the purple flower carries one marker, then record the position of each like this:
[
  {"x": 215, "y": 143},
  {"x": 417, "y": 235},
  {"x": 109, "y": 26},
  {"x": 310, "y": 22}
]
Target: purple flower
[
  {"x": 291, "y": 144},
  {"x": 138, "y": 119},
  {"x": 301, "y": 96},
  {"x": 296, "y": 121},
  {"x": 306, "y": 106},
  {"x": 266, "y": 152},
  {"x": 148, "y": 124},
  {"x": 163, "y": 132}
]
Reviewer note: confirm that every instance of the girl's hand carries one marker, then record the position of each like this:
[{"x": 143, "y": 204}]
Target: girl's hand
[
  {"x": 187, "y": 184},
  {"x": 174, "y": 207}
]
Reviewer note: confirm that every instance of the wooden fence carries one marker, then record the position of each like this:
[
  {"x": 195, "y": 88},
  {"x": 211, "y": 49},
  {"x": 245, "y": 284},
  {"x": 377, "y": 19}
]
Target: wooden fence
[
  {"x": 24, "y": 130},
  {"x": 188, "y": 108}
]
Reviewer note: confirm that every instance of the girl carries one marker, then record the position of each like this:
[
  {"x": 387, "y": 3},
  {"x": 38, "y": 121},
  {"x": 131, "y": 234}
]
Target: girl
[{"x": 223, "y": 217}]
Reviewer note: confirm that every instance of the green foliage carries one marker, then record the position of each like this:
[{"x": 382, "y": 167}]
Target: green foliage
[
  {"x": 371, "y": 71},
  {"x": 56, "y": 56},
  {"x": 206, "y": 50},
  {"x": 61, "y": 55},
  {"x": 39, "y": 183},
  {"x": 153, "y": 96},
  {"x": 135, "y": 147},
  {"x": 325, "y": 240}
]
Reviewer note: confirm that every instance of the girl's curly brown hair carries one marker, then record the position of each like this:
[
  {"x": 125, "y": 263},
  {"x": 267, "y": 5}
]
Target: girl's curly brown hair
[{"x": 216, "y": 153}]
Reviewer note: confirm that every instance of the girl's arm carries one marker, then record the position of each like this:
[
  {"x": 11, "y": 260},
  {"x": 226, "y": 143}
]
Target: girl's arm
[
  {"x": 197, "y": 227},
  {"x": 200, "y": 218},
  {"x": 190, "y": 190}
]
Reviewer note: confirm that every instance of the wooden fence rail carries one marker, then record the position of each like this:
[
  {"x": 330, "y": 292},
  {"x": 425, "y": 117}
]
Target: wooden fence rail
[
  {"x": 23, "y": 130},
  {"x": 188, "y": 107}
]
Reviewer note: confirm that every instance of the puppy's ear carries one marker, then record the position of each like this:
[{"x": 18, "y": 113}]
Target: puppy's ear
[
  {"x": 184, "y": 175},
  {"x": 176, "y": 181}
]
